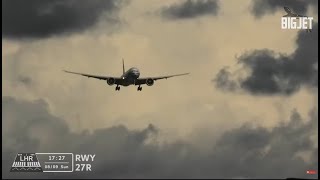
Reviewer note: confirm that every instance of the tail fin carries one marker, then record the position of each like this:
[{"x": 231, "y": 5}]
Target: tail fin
[{"x": 123, "y": 70}]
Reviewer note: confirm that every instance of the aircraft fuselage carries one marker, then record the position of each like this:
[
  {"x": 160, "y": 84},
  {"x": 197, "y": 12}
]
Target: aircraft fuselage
[{"x": 130, "y": 76}]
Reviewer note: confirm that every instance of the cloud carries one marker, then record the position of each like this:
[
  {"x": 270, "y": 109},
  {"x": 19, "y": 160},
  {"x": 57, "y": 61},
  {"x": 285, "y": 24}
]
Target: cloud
[
  {"x": 263, "y": 7},
  {"x": 224, "y": 82},
  {"x": 43, "y": 18},
  {"x": 248, "y": 151},
  {"x": 275, "y": 73},
  {"x": 191, "y": 9}
]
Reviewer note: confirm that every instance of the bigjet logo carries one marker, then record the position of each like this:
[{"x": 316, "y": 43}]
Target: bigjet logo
[{"x": 295, "y": 21}]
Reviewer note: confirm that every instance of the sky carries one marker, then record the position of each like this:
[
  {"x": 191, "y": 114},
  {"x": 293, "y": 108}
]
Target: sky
[{"x": 248, "y": 109}]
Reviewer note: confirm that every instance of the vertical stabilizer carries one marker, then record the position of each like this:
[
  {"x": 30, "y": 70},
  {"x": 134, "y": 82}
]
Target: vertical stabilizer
[{"x": 123, "y": 70}]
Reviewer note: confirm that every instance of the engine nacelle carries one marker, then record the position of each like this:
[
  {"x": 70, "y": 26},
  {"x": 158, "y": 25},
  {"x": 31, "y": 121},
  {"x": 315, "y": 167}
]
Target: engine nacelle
[
  {"x": 149, "y": 82},
  {"x": 111, "y": 81}
]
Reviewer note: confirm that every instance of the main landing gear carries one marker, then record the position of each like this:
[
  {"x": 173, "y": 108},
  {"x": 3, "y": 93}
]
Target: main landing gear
[
  {"x": 118, "y": 88},
  {"x": 139, "y": 88}
]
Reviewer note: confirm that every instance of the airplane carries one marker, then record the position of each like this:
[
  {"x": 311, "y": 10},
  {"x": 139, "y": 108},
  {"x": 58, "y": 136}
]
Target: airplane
[
  {"x": 129, "y": 77},
  {"x": 291, "y": 14}
]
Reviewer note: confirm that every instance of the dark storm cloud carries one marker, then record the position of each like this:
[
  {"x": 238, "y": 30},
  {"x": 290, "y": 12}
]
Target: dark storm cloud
[
  {"x": 247, "y": 152},
  {"x": 274, "y": 73},
  {"x": 223, "y": 80},
  {"x": 263, "y": 7},
  {"x": 43, "y": 18},
  {"x": 191, "y": 9},
  {"x": 255, "y": 152}
]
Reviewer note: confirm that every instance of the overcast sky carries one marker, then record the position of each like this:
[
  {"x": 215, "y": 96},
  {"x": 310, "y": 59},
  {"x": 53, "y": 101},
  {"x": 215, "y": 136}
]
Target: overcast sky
[{"x": 249, "y": 105}]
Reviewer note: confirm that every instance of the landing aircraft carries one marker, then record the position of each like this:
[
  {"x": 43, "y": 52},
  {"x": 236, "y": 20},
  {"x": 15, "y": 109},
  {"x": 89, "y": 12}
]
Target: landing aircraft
[
  {"x": 291, "y": 14},
  {"x": 129, "y": 77}
]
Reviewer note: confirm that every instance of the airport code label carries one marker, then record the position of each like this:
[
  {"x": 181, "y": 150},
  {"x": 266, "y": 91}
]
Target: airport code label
[{"x": 52, "y": 162}]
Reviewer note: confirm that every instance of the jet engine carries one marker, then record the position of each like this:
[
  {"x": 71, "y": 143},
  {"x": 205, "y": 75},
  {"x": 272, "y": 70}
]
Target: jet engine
[
  {"x": 149, "y": 82},
  {"x": 111, "y": 81}
]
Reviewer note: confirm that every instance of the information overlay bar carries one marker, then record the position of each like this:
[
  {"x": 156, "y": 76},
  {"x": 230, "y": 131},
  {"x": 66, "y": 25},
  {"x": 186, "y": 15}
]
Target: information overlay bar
[{"x": 56, "y": 162}]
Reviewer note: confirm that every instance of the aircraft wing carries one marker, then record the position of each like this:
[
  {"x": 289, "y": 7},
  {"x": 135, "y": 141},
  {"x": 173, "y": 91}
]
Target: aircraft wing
[
  {"x": 117, "y": 79},
  {"x": 140, "y": 81}
]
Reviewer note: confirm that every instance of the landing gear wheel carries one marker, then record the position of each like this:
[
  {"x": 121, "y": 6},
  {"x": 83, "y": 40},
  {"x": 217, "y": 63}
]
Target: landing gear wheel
[
  {"x": 139, "y": 88},
  {"x": 118, "y": 88}
]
